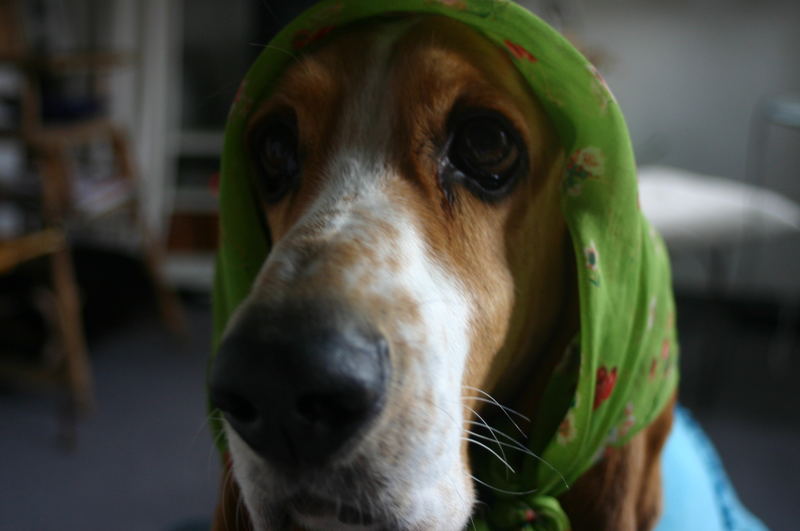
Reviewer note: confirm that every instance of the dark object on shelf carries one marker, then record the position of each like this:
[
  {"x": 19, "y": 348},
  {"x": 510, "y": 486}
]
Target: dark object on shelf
[{"x": 63, "y": 109}]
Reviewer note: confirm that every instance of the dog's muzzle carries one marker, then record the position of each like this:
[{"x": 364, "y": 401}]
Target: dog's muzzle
[{"x": 300, "y": 383}]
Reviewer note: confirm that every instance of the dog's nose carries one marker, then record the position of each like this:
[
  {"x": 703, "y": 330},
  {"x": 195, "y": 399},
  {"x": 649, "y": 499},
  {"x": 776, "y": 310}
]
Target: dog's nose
[{"x": 297, "y": 385}]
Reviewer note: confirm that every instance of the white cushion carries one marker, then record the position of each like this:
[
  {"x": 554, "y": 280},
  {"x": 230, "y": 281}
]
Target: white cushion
[{"x": 691, "y": 209}]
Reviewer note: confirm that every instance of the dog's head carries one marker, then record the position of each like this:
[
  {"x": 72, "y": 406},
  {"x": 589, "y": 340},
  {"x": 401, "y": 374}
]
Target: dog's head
[{"x": 410, "y": 182}]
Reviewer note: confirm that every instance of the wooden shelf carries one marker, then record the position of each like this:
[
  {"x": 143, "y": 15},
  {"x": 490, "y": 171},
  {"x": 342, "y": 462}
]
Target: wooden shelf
[
  {"x": 71, "y": 133},
  {"x": 14, "y": 252}
]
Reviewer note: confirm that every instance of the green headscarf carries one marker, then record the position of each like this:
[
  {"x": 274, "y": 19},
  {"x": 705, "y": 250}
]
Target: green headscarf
[{"x": 621, "y": 371}]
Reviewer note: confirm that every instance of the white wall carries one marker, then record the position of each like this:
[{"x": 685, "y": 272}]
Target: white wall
[{"x": 688, "y": 75}]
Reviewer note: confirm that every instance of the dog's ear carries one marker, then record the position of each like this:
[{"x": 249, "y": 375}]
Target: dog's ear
[
  {"x": 623, "y": 491},
  {"x": 231, "y": 514},
  {"x": 523, "y": 390}
]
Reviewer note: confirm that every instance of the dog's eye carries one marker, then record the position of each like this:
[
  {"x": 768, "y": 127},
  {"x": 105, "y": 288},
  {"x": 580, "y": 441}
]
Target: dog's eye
[
  {"x": 274, "y": 150},
  {"x": 487, "y": 152}
]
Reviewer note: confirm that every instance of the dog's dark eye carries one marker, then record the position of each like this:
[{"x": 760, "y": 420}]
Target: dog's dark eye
[
  {"x": 487, "y": 153},
  {"x": 274, "y": 150}
]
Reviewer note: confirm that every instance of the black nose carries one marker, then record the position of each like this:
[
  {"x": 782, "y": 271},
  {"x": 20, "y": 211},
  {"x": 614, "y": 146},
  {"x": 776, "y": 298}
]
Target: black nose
[{"x": 298, "y": 383}]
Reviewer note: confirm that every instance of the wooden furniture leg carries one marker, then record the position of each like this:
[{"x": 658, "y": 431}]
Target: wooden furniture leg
[
  {"x": 70, "y": 325},
  {"x": 169, "y": 306},
  {"x": 54, "y": 167}
]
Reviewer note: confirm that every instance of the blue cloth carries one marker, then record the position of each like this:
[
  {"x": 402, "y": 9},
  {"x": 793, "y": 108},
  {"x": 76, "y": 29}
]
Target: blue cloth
[{"x": 697, "y": 492}]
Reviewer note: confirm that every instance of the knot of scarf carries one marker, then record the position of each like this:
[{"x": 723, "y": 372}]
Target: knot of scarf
[{"x": 529, "y": 513}]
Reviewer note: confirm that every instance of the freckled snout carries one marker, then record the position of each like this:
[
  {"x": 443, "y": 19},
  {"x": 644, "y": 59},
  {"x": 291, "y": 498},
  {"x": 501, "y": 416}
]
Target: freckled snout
[{"x": 299, "y": 383}]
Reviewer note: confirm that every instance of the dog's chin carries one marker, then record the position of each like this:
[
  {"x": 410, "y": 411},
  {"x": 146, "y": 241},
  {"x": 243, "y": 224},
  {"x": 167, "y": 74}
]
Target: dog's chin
[
  {"x": 330, "y": 524},
  {"x": 351, "y": 496},
  {"x": 312, "y": 512},
  {"x": 336, "y": 516}
]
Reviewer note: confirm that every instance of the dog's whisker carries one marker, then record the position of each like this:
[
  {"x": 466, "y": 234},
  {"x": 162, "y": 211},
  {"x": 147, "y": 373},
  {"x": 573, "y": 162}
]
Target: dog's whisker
[
  {"x": 512, "y": 444},
  {"x": 217, "y": 438},
  {"x": 502, "y": 491},
  {"x": 520, "y": 448},
  {"x": 502, "y": 407},
  {"x": 473, "y": 441},
  {"x": 214, "y": 443},
  {"x": 487, "y": 425},
  {"x": 554, "y": 469},
  {"x": 499, "y": 446},
  {"x": 524, "y": 450},
  {"x": 268, "y": 9},
  {"x": 481, "y": 391},
  {"x": 283, "y": 51},
  {"x": 494, "y": 430},
  {"x": 206, "y": 422}
]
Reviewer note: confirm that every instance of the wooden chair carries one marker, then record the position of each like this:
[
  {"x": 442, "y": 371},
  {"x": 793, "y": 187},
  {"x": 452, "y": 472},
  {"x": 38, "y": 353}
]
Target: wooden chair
[
  {"x": 53, "y": 147},
  {"x": 65, "y": 213},
  {"x": 71, "y": 369}
]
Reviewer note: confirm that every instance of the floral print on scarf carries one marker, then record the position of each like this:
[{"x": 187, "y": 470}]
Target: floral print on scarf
[{"x": 583, "y": 164}]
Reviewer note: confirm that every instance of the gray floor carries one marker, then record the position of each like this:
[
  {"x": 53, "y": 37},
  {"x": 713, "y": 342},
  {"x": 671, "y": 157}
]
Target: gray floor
[
  {"x": 762, "y": 460},
  {"x": 739, "y": 378},
  {"x": 144, "y": 459}
]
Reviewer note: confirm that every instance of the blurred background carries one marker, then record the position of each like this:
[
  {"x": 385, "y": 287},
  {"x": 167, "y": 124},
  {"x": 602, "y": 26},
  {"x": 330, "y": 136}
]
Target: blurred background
[{"x": 111, "y": 116}]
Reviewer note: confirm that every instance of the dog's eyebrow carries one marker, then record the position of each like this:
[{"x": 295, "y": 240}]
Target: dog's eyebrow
[
  {"x": 276, "y": 108},
  {"x": 275, "y": 111},
  {"x": 304, "y": 83}
]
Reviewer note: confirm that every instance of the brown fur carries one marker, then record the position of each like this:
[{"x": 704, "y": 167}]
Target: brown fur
[
  {"x": 623, "y": 491},
  {"x": 437, "y": 65},
  {"x": 230, "y": 514}
]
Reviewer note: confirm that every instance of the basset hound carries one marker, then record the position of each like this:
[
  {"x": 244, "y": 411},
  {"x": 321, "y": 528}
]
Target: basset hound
[{"x": 421, "y": 280}]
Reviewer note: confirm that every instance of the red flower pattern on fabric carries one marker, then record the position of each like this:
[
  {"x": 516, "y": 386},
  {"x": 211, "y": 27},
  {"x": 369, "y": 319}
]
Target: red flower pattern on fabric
[
  {"x": 520, "y": 52},
  {"x": 306, "y": 37},
  {"x": 455, "y": 4},
  {"x": 606, "y": 380},
  {"x": 665, "y": 348}
]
